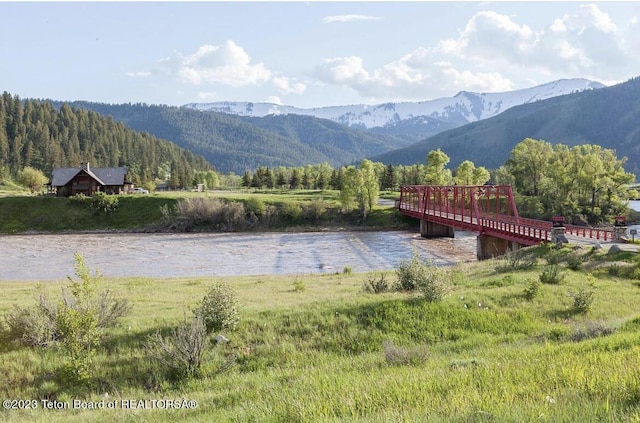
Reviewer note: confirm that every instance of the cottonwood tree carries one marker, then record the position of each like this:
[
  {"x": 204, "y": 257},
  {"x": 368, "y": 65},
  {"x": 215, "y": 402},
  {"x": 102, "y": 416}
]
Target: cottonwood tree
[
  {"x": 32, "y": 178},
  {"x": 360, "y": 187},
  {"x": 468, "y": 174},
  {"x": 435, "y": 172},
  {"x": 527, "y": 163},
  {"x": 586, "y": 182}
]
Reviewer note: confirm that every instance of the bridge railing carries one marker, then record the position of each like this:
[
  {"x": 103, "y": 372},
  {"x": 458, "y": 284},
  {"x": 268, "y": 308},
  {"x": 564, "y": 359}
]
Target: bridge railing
[
  {"x": 604, "y": 234},
  {"x": 459, "y": 206},
  {"x": 523, "y": 232}
]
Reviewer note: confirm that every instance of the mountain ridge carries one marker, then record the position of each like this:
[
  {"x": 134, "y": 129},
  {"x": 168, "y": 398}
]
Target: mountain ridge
[
  {"x": 412, "y": 121},
  {"x": 608, "y": 117}
]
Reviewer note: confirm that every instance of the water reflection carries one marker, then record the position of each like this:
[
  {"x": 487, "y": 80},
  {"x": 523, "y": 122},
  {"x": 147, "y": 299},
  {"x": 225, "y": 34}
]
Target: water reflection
[{"x": 50, "y": 257}]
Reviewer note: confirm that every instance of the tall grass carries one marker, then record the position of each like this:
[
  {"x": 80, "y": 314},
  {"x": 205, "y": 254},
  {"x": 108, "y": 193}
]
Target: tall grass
[{"x": 333, "y": 353}]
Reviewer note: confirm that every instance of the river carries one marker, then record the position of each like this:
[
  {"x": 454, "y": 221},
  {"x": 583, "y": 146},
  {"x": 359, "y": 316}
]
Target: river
[{"x": 51, "y": 257}]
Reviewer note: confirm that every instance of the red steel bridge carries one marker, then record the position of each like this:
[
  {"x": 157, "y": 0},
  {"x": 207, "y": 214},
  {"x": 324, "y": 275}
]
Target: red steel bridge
[{"x": 489, "y": 210}]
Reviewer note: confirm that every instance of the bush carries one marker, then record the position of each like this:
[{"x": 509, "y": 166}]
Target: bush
[
  {"x": 315, "y": 209},
  {"x": 33, "y": 327},
  {"x": 554, "y": 256},
  {"x": 432, "y": 282},
  {"x": 292, "y": 211},
  {"x": 376, "y": 285},
  {"x": 574, "y": 261},
  {"x": 256, "y": 206},
  {"x": 521, "y": 259},
  {"x": 299, "y": 285},
  {"x": 215, "y": 212},
  {"x": 103, "y": 203},
  {"x": 582, "y": 300},
  {"x": 409, "y": 273},
  {"x": 182, "y": 350},
  {"x": 551, "y": 275},
  {"x": 219, "y": 308},
  {"x": 81, "y": 312},
  {"x": 532, "y": 289}
]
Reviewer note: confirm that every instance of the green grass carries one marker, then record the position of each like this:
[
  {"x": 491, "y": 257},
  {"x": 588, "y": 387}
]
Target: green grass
[
  {"x": 317, "y": 354},
  {"x": 54, "y": 214},
  {"x": 25, "y": 213}
]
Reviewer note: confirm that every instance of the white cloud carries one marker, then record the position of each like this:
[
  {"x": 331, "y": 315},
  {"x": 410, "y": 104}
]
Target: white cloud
[
  {"x": 226, "y": 64},
  {"x": 207, "y": 96},
  {"x": 286, "y": 87},
  {"x": 583, "y": 43},
  {"x": 139, "y": 74},
  {"x": 583, "y": 40},
  {"x": 274, "y": 100},
  {"x": 348, "y": 18},
  {"x": 415, "y": 76}
]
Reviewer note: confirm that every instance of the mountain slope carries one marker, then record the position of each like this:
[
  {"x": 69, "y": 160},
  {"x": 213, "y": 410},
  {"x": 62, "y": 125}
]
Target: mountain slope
[
  {"x": 34, "y": 133},
  {"x": 413, "y": 121},
  {"x": 235, "y": 144},
  {"x": 609, "y": 117}
]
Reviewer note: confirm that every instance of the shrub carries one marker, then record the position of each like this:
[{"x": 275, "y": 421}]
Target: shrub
[
  {"x": 33, "y": 327},
  {"x": 79, "y": 199},
  {"x": 582, "y": 300},
  {"x": 299, "y": 285},
  {"x": 402, "y": 356},
  {"x": 210, "y": 211},
  {"x": 554, "y": 256},
  {"x": 532, "y": 289},
  {"x": 219, "y": 308},
  {"x": 182, "y": 349},
  {"x": 315, "y": 209},
  {"x": 409, "y": 273},
  {"x": 256, "y": 206},
  {"x": 376, "y": 285},
  {"x": 103, "y": 203},
  {"x": 551, "y": 275},
  {"x": 75, "y": 321},
  {"x": 432, "y": 282},
  {"x": 292, "y": 211},
  {"x": 574, "y": 261},
  {"x": 521, "y": 259},
  {"x": 347, "y": 270}
]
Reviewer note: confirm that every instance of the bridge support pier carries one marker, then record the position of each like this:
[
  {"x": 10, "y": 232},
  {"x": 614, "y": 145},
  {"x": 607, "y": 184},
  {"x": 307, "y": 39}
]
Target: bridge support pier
[
  {"x": 558, "y": 237},
  {"x": 620, "y": 234},
  {"x": 489, "y": 246},
  {"x": 436, "y": 230}
]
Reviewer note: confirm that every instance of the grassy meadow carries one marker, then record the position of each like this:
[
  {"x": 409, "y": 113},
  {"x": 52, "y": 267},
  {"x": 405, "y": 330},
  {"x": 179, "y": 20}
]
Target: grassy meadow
[
  {"x": 319, "y": 348},
  {"x": 258, "y": 210}
]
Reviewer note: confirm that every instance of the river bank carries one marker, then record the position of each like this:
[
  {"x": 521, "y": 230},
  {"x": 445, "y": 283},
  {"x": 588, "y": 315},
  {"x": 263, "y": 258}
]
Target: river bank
[{"x": 193, "y": 212}]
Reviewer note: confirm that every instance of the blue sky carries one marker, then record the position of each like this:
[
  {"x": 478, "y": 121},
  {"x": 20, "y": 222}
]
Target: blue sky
[{"x": 308, "y": 54}]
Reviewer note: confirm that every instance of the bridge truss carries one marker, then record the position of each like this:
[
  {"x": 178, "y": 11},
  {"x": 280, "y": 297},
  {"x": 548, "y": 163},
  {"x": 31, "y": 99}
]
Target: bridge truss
[{"x": 486, "y": 209}]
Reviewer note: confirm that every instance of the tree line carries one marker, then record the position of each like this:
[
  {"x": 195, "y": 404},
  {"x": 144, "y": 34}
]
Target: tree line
[{"x": 587, "y": 183}]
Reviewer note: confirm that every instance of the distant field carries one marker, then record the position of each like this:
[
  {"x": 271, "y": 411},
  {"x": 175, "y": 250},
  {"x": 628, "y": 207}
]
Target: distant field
[{"x": 317, "y": 348}]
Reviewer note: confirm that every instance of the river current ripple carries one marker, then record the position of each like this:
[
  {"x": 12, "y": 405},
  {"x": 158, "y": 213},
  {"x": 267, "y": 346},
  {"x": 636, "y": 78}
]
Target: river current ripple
[{"x": 51, "y": 257}]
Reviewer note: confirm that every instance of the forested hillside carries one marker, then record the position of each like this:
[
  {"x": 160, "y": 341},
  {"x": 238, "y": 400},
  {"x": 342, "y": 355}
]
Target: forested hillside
[
  {"x": 609, "y": 117},
  {"x": 34, "y": 133},
  {"x": 233, "y": 143}
]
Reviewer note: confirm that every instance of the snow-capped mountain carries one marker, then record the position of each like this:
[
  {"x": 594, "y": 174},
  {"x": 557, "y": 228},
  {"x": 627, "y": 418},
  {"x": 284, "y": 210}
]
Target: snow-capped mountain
[{"x": 441, "y": 114}]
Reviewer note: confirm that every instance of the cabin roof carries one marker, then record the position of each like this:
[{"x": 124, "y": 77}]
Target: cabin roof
[{"x": 104, "y": 175}]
